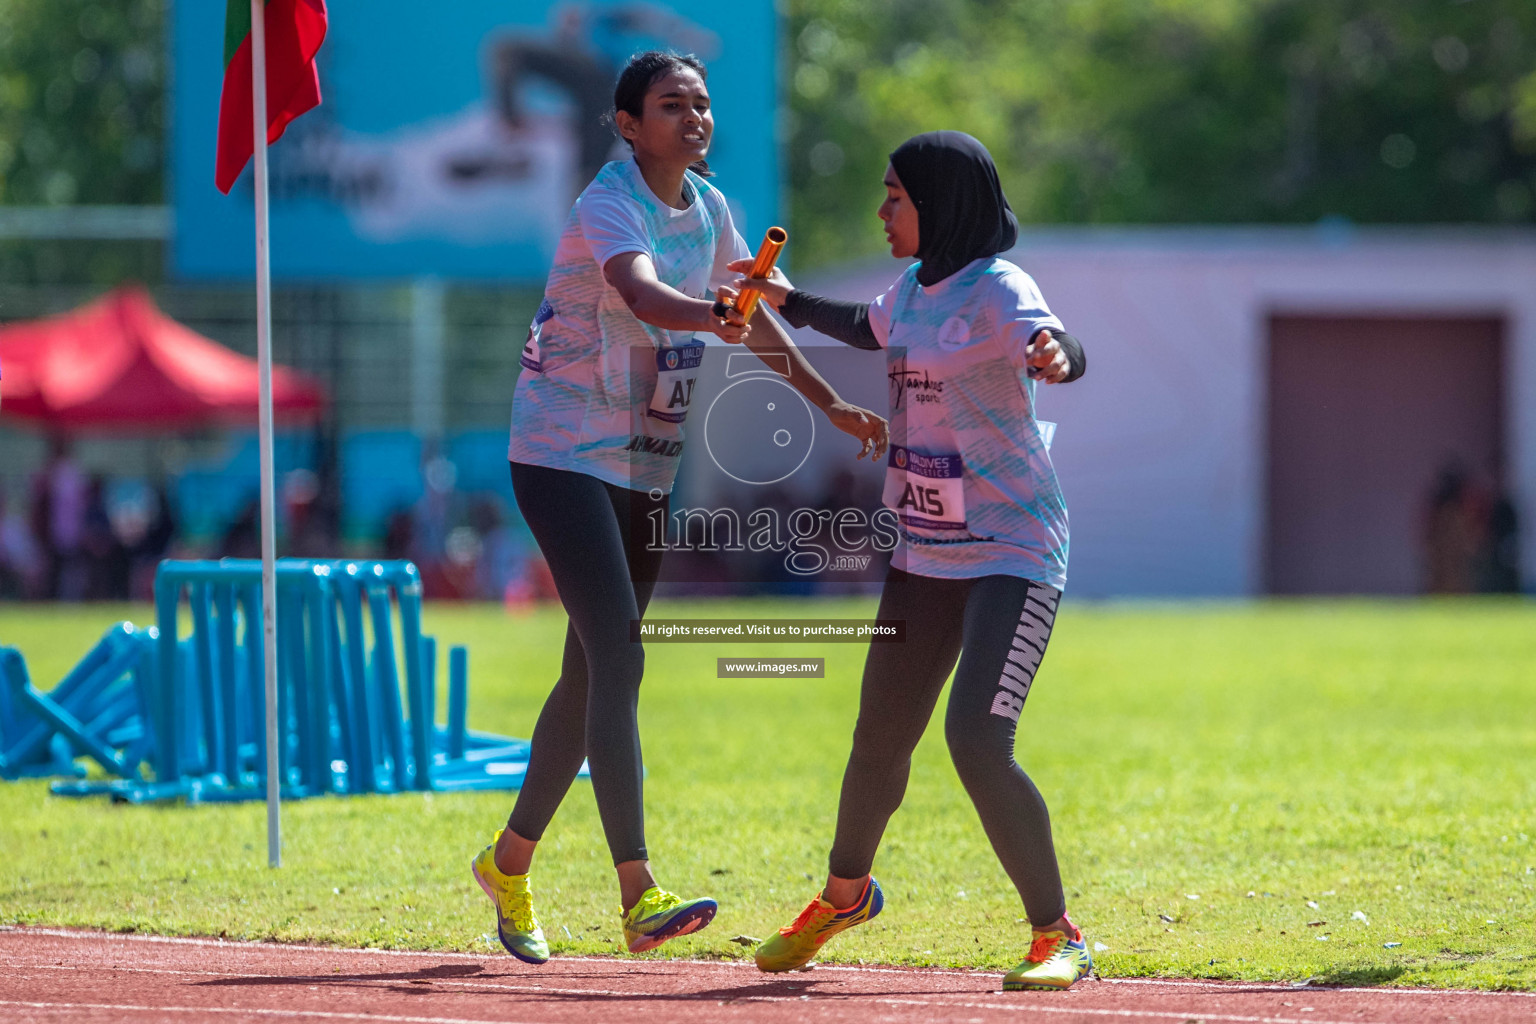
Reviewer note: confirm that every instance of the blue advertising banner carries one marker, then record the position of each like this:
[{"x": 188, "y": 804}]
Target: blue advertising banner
[{"x": 453, "y": 138}]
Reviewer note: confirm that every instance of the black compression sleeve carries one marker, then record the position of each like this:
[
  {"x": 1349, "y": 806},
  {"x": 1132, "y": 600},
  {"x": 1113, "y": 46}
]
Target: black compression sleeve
[
  {"x": 1077, "y": 362},
  {"x": 847, "y": 322}
]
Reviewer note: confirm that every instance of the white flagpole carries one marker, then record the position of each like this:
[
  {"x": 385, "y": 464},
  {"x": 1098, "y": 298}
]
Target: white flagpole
[{"x": 268, "y": 487}]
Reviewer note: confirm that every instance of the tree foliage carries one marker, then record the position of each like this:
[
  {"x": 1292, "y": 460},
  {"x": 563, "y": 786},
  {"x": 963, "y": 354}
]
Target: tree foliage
[
  {"x": 81, "y": 101},
  {"x": 82, "y": 120},
  {"x": 1171, "y": 111}
]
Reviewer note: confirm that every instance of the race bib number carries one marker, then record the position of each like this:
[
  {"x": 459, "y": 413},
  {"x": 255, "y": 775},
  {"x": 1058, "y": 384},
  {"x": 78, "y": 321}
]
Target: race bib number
[
  {"x": 927, "y": 492},
  {"x": 677, "y": 370},
  {"x": 532, "y": 359}
]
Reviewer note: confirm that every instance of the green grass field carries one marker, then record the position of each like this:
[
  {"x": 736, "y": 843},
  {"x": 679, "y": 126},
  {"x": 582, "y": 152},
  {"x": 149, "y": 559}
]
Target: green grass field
[{"x": 1230, "y": 785}]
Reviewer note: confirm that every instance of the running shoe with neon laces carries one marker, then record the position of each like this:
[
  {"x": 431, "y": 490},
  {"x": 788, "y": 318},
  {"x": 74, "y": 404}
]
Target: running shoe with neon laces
[
  {"x": 516, "y": 926},
  {"x": 1054, "y": 962},
  {"x": 800, "y": 940},
  {"x": 660, "y": 915}
]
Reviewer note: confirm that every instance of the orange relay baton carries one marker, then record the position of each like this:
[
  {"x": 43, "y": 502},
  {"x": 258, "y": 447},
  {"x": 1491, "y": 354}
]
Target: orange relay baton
[{"x": 767, "y": 256}]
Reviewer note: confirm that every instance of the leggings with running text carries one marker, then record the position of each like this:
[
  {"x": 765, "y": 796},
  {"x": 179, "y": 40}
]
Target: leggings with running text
[
  {"x": 592, "y": 535},
  {"x": 998, "y": 627}
]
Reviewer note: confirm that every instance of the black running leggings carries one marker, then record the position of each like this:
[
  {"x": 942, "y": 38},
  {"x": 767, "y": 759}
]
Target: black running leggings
[
  {"x": 593, "y": 536},
  {"x": 998, "y": 627}
]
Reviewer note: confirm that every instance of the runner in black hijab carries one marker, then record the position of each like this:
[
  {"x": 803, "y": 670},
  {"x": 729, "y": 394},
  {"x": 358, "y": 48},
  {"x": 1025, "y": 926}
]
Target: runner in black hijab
[
  {"x": 979, "y": 606},
  {"x": 962, "y": 214}
]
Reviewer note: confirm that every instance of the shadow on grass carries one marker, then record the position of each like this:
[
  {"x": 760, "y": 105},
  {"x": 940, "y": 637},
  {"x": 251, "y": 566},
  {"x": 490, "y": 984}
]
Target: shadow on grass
[{"x": 1352, "y": 977}]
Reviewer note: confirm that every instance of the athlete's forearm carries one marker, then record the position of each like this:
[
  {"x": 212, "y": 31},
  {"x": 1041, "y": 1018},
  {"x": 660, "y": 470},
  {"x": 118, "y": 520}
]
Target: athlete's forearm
[
  {"x": 768, "y": 338},
  {"x": 847, "y": 322},
  {"x": 633, "y": 276},
  {"x": 663, "y": 306}
]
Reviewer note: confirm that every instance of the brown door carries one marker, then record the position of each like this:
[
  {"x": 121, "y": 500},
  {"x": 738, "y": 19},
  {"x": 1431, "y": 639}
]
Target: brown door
[{"x": 1384, "y": 449}]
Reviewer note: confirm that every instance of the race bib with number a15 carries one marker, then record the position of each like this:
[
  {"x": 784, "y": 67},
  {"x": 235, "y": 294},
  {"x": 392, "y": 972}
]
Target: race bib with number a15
[
  {"x": 532, "y": 359},
  {"x": 677, "y": 370},
  {"x": 927, "y": 492}
]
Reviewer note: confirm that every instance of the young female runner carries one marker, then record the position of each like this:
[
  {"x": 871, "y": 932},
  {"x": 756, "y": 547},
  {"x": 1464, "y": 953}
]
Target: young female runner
[
  {"x": 597, "y": 428},
  {"x": 984, "y": 538}
]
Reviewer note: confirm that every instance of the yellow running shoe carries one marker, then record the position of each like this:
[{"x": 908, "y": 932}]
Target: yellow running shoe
[
  {"x": 800, "y": 940},
  {"x": 1054, "y": 962},
  {"x": 516, "y": 926},
  {"x": 659, "y": 915}
]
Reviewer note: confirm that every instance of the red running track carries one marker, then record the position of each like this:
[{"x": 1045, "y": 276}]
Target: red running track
[{"x": 70, "y": 977}]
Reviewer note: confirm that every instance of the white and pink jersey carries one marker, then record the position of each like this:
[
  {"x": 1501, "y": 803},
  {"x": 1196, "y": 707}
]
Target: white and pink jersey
[
  {"x": 969, "y": 473},
  {"x": 601, "y": 392}
]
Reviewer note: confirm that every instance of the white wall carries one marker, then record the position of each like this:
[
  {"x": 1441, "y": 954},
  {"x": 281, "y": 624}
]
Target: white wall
[{"x": 1161, "y": 445}]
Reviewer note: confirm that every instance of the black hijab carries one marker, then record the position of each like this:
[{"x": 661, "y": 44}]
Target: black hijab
[{"x": 962, "y": 214}]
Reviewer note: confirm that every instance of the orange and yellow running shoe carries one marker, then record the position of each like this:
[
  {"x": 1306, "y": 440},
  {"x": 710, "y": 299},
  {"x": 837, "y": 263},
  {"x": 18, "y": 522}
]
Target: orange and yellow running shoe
[
  {"x": 1054, "y": 961},
  {"x": 800, "y": 940}
]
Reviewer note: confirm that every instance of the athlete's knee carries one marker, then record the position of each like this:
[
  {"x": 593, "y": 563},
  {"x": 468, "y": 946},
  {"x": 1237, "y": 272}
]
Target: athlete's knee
[
  {"x": 572, "y": 683},
  {"x": 977, "y": 744},
  {"x": 625, "y": 665},
  {"x": 877, "y": 746}
]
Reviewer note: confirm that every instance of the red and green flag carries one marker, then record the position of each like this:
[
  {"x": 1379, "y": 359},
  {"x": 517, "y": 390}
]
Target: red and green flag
[{"x": 295, "y": 30}]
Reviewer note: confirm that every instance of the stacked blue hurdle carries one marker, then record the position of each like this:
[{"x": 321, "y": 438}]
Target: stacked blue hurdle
[
  {"x": 193, "y": 710},
  {"x": 95, "y": 711}
]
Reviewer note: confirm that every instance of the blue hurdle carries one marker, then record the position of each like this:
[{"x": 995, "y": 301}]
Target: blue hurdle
[
  {"x": 96, "y": 711},
  {"x": 357, "y": 696}
]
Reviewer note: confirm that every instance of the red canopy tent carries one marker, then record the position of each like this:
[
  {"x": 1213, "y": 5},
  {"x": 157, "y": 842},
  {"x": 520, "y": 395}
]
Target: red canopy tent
[{"x": 120, "y": 362}]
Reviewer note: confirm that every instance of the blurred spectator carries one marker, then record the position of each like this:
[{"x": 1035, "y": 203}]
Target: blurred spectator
[
  {"x": 432, "y": 520},
  {"x": 1471, "y": 536},
  {"x": 105, "y": 555},
  {"x": 147, "y": 546},
  {"x": 505, "y": 571},
  {"x": 847, "y": 490},
  {"x": 458, "y": 573},
  {"x": 21, "y": 561},
  {"x": 58, "y": 522},
  {"x": 769, "y": 570},
  {"x": 399, "y": 534},
  {"x": 308, "y": 533},
  {"x": 243, "y": 538},
  {"x": 1453, "y": 532},
  {"x": 1501, "y": 556}
]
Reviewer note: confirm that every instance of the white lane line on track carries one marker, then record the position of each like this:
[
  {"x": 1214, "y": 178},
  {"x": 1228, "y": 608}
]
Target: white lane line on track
[
  {"x": 939, "y": 1000},
  {"x": 491, "y": 982},
  {"x": 1137, "y": 1014},
  {"x": 1213, "y": 987},
  {"x": 250, "y": 1012},
  {"x": 180, "y": 940},
  {"x": 1012, "y": 1007}
]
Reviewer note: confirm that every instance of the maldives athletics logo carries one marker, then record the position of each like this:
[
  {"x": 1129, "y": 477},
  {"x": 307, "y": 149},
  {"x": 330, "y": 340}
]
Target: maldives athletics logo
[{"x": 954, "y": 333}]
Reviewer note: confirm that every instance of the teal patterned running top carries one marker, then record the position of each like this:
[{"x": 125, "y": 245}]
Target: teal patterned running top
[
  {"x": 969, "y": 473},
  {"x": 600, "y": 391}
]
